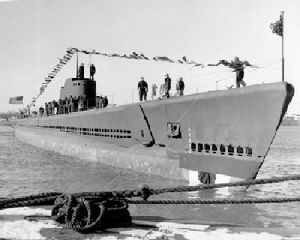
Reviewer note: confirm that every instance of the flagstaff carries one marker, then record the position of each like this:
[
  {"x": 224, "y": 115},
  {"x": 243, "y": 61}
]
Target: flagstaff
[
  {"x": 282, "y": 42},
  {"x": 278, "y": 28},
  {"x": 76, "y": 64}
]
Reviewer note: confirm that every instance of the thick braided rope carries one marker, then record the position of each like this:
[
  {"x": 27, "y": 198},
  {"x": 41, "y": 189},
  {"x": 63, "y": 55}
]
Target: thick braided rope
[
  {"x": 139, "y": 192},
  {"x": 30, "y": 197},
  {"x": 217, "y": 201},
  {"x": 90, "y": 225},
  {"x": 49, "y": 198},
  {"x": 221, "y": 185},
  {"x": 27, "y": 203}
]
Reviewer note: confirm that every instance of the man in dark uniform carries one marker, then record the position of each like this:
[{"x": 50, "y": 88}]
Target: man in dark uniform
[
  {"x": 60, "y": 111},
  {"x": 104, "y": 102},
  {"x": 67, "y": 105},
  {"x": 63, "y": 105},
  {"x": 167, "y": 85},
  {"x": 46, "y": 109},
  {"x": 92, "y": 71},
  {"x": 70, "y": 105},
  {"x": 180, "y": 87},
  {"x": 50, "y": 108},
  {"x": 75, "y": 104},
  {"x": 143, "y": 89}
]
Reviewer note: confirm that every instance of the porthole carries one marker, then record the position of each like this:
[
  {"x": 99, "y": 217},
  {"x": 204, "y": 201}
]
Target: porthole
[
  {"x": 200, "y": 147},
  {"x": 240, "y": 151},
  {"x": 207, "y": 147},
  {"x": 214, "y": 148},
  {"x": 230, "y": 150},
  {"x": 193, "y": 147},
  {"x": 249, "y": 151}
]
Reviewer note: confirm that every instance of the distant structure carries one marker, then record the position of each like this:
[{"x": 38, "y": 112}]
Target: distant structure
[{"x": 291, "y": 120}]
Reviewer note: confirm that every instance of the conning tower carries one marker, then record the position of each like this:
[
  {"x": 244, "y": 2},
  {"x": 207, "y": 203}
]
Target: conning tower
[{"x": 80, "y": 86}]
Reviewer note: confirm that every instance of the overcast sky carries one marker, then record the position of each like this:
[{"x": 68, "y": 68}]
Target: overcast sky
[{"x": 34, "y": 34}]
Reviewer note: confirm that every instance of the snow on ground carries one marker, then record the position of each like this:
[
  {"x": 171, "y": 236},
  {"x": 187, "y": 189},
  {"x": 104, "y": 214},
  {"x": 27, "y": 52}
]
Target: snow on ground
[{"x": 14, "y": 226}]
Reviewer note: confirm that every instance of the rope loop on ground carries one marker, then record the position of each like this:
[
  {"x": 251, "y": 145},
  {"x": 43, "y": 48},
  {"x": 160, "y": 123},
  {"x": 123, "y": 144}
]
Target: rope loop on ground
[{"x": 88, "y": 216}]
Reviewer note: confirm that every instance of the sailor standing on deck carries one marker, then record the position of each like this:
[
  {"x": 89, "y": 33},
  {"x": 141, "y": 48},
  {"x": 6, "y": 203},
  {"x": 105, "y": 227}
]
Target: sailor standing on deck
[
  {"x": 92, "y": 71},
  {"x": 180, "y": 86},
  {"x": 80, "y": 104},
  {"x": 105, "y": 102},
  {"x": 70, "y": 104},
  {"x": 167, "y": 85},
  {"x": 67, "y": 105},
  {"x": 46, "y": 109},
  {"x": 154, "y": 87},
  {"x": 238, "y": 67},
  {"x": 143, "y": 89}
]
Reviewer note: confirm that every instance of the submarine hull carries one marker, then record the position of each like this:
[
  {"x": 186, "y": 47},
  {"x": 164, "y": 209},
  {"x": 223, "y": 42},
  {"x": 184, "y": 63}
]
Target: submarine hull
[{"x": 222, "y": 132}]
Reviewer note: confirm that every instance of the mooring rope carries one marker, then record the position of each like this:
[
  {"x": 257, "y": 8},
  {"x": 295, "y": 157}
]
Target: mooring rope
[
  {"x": 12, "y": 203},
  {"x": 30, "y": 197},
  {"x": 221, "y": 185},
  {"x": 216, "y": 201},
  {"x": 145, "y": 192},
  {"x": 91, "y": 211}
]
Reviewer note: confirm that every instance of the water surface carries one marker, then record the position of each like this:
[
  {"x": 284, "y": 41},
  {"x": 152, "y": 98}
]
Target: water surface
[{"x": 25, "y": 170}]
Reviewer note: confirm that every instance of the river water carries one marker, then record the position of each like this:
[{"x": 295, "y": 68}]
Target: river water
[{"x": 26, "y": 170}]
